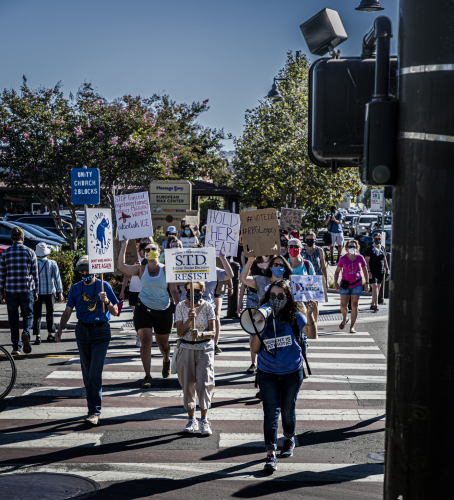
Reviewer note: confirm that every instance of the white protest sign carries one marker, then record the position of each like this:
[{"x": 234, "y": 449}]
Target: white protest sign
[
  {"x": 100, "y": 240},
  {"x": 308, "y": 287},
  {"x": 190, "y": 264},
  {"x": 188, "y": 242},
  {"x": 223, "y": 232},
  {"x": 133, "y": 215}
]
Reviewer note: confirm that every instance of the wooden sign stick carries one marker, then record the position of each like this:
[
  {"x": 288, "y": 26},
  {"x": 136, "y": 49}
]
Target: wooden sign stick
[
  {"x": 192, "y": 303},
  {"x": 102, "y": 290}
]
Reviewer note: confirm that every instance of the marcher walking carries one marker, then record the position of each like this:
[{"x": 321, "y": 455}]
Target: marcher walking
[
  {"x": 92, "y": 331},
  {"x": 171, "y": 231},
  {"x": 19, "y": 288},
  {"x": 376, "y": 265},
  {"x": 195, "y": 361},
  {"x": 299, "y": 265},
  {"x": 280, "y": 365},
  {"x": 351, "y": 285},
  {"x": 49, "y": 284},
  {"x": 334, "y": 222}
]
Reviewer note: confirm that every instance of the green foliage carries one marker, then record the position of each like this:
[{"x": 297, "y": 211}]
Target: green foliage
[
  {"x": 115, "y": 281},
  {"x": 131, "y": 140},
  {"x": 272, "y": 164},
  {"x": 65, "y": 264},
  {"x": 215, "y": 203}
]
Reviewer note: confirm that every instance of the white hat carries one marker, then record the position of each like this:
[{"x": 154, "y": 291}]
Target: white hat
[
  {"x": 295, "y": 241},
  {"x": 42, "y": 250},
  {"x": 171, "y": 229}
]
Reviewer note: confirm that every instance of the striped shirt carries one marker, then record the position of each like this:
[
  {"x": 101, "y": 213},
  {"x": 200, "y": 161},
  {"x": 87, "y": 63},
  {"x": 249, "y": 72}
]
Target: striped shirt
[
  {"x": 49, "y": 277},
  {"x": 18, "y": 269}
]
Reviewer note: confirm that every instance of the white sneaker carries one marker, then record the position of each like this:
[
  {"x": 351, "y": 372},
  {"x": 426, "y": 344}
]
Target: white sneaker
[
  {"x": 138, "y": 343},
  {"x": 192, "y": 425},
  {"x": 206, "y": 429}
]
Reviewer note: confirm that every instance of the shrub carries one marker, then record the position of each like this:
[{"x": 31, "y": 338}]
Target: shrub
[
  {"x": 66, "y": 265},
  {"x": 115, "y": 281}
]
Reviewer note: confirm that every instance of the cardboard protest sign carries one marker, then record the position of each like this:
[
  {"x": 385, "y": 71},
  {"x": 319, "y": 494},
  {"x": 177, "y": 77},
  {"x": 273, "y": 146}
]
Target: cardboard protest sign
[
  {"x": 191, "y": 264},
  {"x": 130, "y": 254},
  {"x": 188, "y": 242},
  {"x": 260, "y": 232},
  {"x": 308, "y": 287},
  {"x": 223, "y": 232},
  {"x": 291, "y": 219},
  {"x": 133, "y": 215},
  {"x": 100, "y": 240},
  {"x": 192, "y": 217}
]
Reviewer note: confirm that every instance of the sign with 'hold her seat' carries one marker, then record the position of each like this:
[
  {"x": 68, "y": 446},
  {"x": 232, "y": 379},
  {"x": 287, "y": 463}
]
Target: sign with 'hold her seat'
[
  {"x": 223, "y": 232},
  {"x": 190, "y": 264},
  {"x": 260, "y": 232}
]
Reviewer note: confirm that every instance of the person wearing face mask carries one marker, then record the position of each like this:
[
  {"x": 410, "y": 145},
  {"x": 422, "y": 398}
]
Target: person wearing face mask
[
  {"x": 280, "y": 365},
  {"x": 195, "y": 361},
  {"x": 171, "y": 231},
  {"x": 299, "y": 265},
  {"x": 92, "y": 331},
  {"x": 154, "y": 311},
  {"x": 315, "y": 256},
  {"x": 284, "y": 246},
  {"x": 376, "y": 265},
  {"x": 351, "y": 265},
  {"x": 188, "y": 237}
]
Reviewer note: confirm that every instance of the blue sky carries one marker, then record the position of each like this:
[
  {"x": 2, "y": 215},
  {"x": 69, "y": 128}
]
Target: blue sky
[{"x": 227, "y": 52}]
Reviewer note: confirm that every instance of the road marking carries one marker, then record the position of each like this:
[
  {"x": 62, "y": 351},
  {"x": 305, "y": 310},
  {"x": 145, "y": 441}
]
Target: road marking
[
  {"x": 247, "y": 440},
  {"x": 179, "y": 413},
  {"x": 49, "y": 440},
  {"x": 301, "y": 472}
]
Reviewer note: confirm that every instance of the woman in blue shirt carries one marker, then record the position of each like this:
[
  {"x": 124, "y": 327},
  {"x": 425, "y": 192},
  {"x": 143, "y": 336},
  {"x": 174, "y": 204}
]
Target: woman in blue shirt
[{"x": 280, "y": 365}]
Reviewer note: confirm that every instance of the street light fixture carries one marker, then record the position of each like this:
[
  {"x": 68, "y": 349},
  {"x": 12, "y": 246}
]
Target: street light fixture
[
  {"x": 274, "y": 93},
  {"x": 369, "y": 6}
]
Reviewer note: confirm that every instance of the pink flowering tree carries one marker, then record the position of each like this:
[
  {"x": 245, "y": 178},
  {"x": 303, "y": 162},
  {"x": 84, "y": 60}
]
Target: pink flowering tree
[{"x": 132, "y": 140}]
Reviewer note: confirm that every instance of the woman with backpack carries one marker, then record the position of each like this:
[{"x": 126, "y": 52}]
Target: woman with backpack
[
  {"x": 376, "y": 264},
  {"x": 280, "y": 365},
  {"x": 299, "y": 265}
]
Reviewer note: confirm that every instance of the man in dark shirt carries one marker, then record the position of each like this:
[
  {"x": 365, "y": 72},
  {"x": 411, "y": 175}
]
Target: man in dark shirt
[
  {"x": 376, "y": 264},
  {"x": 19, "y": 288}
]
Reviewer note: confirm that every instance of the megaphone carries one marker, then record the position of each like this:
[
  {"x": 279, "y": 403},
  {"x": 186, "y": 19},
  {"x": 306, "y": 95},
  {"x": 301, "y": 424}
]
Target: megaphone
[{"x": 254, "y": 320}]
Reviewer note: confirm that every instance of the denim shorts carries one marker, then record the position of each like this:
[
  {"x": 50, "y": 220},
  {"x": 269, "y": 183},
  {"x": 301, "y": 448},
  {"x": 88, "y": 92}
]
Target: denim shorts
[{"x": 357, "y": 290}]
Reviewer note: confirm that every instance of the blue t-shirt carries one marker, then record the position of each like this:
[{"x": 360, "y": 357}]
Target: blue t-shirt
[
  {"x": 332, "y": 226},
  {"x": 86, "y": 300},
  {"x": 301, "y": 270},
  {"x": 210, "y": 286},
  {"x": 289, "y": 356}
]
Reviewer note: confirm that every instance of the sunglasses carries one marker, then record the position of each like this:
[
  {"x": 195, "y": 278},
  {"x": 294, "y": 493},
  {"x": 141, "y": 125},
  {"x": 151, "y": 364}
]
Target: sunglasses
[
  {"x": 310, "y": 239},
  {"x": 293, "y": 246},
  {"x": 277, "y": 264},
  {"x": 280, "y": 296},
  {"x": 195, "y": 290},
  {"x": 350, "y": 246},
  {"x": 283, "y": 244},
  {"x": 151, "y": 249}
]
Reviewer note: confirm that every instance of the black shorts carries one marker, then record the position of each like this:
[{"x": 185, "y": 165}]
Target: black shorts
[
  {"x": 377, "y": 278},
  {"x": 160, "y": 321},
  {"x": 133, "y": 298},
  {"x": 218, "y": 295}
]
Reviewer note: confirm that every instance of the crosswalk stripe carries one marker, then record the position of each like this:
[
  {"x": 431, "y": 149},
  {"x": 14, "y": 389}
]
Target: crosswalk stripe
[
  {"x": 298, "y": 472},
  {"x": 49, "y": 440}
]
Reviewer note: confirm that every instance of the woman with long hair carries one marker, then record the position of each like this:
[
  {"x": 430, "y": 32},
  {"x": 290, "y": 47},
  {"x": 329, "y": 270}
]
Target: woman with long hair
[
  {"x": 187, "y": 234},
  {"x": 280, "y": 364}
]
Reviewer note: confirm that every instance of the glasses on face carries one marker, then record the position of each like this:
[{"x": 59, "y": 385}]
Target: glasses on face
[
  {"x": 293, "y": 246},
  {"x": 351, "y": 246},
  {"x": 196, "y": 290},
  {"x": 309, "y": 239},
  {"x": 283, "y": 244},
  {"x": 277, "y": 264},
  {"x": 279, "y": 296}
]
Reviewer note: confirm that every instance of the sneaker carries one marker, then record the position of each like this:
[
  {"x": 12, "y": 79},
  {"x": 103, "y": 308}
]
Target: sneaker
[
  {"x": 206, "y": 429},
  {"x": 50, "y": 338},
  {"x": 16, "y": 350},
  {"x": 217, "y": 349},
  {"x": 271, "y": 463},
  {"x": 259, "y": 395},
  {"x": 166, "y": 369},
  {"x": 26, "y": 347},
  {"x": 138, "y": 342},
  {"x": 37, "y": 341},
  {"x": 92, "y": 420},
  {"x": 147, "y": 381},
  {"x": 252, "y": 369},
  {"x": 191, "y": 426},
  {"x": 287, "y": 449}
]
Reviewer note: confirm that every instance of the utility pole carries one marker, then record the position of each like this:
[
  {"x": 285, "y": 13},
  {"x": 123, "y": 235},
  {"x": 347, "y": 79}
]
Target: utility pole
[{"x": 420, "y": 390}]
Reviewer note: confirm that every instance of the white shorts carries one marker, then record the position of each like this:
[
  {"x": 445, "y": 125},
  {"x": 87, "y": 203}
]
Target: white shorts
[{"x": 337, "y": 239}]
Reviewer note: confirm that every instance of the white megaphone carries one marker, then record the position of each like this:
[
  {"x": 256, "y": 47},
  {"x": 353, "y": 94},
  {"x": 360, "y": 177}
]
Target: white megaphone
[{"x": 253, "y": 320}]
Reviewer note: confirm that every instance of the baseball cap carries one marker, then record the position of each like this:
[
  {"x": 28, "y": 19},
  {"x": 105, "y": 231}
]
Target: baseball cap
[
  {"x": 17, "y": 233},
  {"x": 82, "y": 264},
  {"x": 171, "y": 229}
]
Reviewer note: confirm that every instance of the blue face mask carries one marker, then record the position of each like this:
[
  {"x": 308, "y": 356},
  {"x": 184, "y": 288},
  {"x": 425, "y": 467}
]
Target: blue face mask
[
  {"x": 86, "y": 278},
  {"x": 187, "y": 232},
  {"x": 197, "y": 296},
  {"x": 278, "y": 272}
]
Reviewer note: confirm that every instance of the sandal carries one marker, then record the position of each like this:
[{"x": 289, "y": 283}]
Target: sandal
[
  {"x": 352, "y": 330},
  {"x": 342, "y": 325}
]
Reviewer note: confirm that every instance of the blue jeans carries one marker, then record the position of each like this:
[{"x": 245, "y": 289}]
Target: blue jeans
[
  {"x": 279, "y": 394},
  {"x": 356, "y": 290},
  {"x": 93, "y": 343},
  {"x": 25, "y": 302}
]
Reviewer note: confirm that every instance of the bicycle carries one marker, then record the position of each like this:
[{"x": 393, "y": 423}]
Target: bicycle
[{"x": 8, "y": 372}]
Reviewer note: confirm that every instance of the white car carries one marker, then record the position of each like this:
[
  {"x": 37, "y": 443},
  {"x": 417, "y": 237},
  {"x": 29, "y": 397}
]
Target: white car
[{"x": 363, "y": 225}]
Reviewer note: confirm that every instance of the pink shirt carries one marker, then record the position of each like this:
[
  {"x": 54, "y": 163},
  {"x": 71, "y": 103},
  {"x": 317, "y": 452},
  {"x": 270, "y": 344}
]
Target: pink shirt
[{"x": 351, "y": 270}]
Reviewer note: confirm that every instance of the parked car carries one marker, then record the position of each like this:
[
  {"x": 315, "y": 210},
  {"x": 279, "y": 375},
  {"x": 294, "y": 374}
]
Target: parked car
[
  {"x": 363, "y": 224},
  {"x": 367, "y": 240},
  {"x": 3, "y": 248},
  {"x": 38, "y": 232},
  {"x": 30, "y": 240},
  {"x": 41, "y": 220},
  {"x": 349, "y": 221},
  {"x": 46, "y": 232}
]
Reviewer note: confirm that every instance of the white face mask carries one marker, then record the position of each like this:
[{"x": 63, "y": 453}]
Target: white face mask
[{"x": 352, "y": 251}]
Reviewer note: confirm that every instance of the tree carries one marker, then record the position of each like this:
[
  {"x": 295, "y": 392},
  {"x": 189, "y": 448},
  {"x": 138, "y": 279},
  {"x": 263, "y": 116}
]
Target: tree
[
  {"x": 272, "y": 166},
  {"x": 131, "y": 140}
]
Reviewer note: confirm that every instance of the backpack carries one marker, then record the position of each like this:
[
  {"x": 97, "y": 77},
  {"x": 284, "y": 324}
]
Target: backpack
[
  {"x": 306, "y": 265},
  {"x": 327, "y": 240}
]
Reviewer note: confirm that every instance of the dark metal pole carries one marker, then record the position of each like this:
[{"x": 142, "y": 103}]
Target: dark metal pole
[
  {"x": 232, "y": 301},
  {"x": 420, "y": 402}
]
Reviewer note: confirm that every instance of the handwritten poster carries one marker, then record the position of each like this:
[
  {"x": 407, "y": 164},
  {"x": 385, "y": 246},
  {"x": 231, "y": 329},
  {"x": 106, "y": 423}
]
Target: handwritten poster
[
  {"x": 100, "y": 240},
  {"x": 191, "y": 264},
  {"x": 306, "y": 288},
  {"x": 223, "y": 232},
  {"x": 188, "y": 242},
  {"x": 133, "y": 215},
  {"x": 291, "y": 219},
  {"x": 260, "y": 232},
  {"x": 192, "y": 217}
]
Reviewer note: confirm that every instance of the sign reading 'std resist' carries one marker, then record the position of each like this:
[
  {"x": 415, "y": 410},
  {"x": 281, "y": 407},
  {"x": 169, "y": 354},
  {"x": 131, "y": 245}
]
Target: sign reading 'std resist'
[
  {"x": 223, "y": 232},
  {"x": 191, "y": 264}
]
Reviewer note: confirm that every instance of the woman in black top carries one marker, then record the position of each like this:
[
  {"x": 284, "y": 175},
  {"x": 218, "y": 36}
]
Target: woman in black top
[{"x": 376, "y": 265}]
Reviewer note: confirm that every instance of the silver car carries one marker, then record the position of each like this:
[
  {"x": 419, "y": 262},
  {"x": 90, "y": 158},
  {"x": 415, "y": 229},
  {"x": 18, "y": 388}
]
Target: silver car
[{"x": 363, "y": 225}]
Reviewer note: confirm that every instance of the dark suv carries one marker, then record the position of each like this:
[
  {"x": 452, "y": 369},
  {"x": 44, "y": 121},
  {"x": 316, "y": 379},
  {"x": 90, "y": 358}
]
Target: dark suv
[{"x": 45, "y": 221}]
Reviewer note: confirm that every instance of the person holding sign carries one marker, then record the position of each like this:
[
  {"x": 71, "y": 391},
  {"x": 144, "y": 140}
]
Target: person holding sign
[
  {"x": 280, "y": 365},
  {"x": 94, "y": 309},
  {"x": 195, "y": 361},
  {"x": 188, "y": 237},
  {"x": 154, "y": 309}
]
